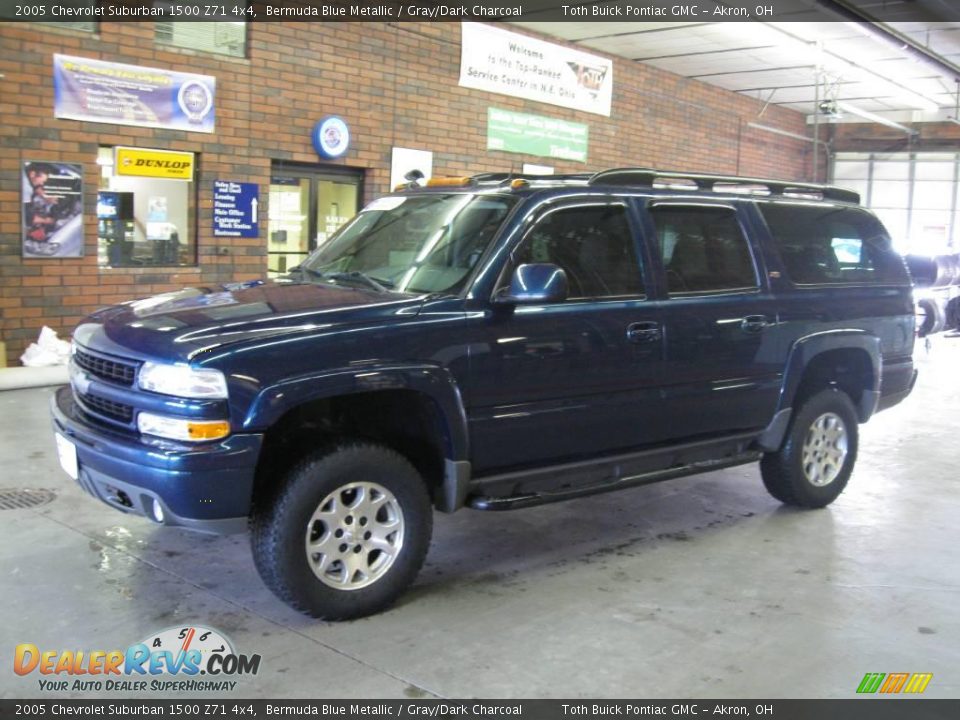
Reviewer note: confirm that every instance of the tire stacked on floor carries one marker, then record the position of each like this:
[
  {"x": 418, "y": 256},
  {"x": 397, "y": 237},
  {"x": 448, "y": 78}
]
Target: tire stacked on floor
[
  {"x": 951, "y": 316},
  {"x": 948, "y": 270},
  {"x": 938, "y": 279},
  {"x": 930, "y": 317}
]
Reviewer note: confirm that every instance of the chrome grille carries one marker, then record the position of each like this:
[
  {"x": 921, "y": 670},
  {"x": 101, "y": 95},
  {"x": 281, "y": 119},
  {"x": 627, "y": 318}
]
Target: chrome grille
[{"x": 114, "y": 371}]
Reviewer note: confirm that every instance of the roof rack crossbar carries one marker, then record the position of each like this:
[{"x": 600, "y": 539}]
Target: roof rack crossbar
[
  {"x": 646, "y": 177},
  {"x": 505, "y": 178}
]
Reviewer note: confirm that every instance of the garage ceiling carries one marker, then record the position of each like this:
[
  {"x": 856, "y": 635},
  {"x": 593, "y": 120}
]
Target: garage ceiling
[{"x": 793, "y": 63}]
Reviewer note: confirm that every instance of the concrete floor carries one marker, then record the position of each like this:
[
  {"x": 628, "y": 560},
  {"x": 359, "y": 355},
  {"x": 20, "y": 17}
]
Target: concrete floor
[{"x": 701, "y": 587}]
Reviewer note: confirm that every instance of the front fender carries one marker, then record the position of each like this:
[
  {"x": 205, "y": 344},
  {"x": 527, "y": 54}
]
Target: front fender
[{"x": 434, "y": 381}]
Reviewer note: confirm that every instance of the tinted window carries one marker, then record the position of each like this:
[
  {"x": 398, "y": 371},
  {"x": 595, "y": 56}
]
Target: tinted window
[
  {"x": 414, "y": 243},
  {"x": 832, "y": 245},
  {"x": 703, "y": 249},
  {"x": 594, "y": 246}
]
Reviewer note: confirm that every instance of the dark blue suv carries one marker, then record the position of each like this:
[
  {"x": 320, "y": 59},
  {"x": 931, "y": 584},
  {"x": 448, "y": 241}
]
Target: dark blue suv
[{"x": 494, "y": 342}]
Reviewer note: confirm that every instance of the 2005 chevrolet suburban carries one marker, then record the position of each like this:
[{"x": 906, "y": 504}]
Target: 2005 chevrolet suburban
[{"x": 494, "y": 342}]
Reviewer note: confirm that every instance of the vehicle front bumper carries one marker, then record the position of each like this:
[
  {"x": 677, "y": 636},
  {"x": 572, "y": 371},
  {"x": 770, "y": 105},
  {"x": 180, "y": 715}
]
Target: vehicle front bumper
[{"x": 205, "y": 487}]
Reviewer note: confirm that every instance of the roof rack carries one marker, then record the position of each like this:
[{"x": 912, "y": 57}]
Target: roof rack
[
  {"x": 648, "y": 177},
  {"x": 505, "y": 178}
]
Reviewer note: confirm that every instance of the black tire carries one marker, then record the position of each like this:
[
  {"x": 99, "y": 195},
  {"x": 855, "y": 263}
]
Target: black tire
[
  {"x": 946, "y": 270},
  {"x": 282, "y": 527},
  {"x": 784, "y": 474},
  {"x": 929, "y": 317},
  {"x": 951, "y": 317}
]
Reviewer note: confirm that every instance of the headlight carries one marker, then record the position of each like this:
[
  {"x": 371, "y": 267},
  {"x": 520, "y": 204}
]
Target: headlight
[
  {"x": 183, "y": 381},
  {"x": 182, "y": 428}
]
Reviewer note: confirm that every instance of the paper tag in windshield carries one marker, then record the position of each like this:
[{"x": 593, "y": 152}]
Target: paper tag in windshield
[{"x": 385, "y": 203}]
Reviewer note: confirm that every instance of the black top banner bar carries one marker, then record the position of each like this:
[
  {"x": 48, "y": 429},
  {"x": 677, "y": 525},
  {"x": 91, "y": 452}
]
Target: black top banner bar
[
  {"x": 192, "y": 709},
  {"x": 67, "y": 11}
]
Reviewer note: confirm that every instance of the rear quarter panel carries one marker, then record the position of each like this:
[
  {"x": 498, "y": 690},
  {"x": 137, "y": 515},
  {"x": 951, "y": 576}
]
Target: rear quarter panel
[{"x": 882, "y": 310}]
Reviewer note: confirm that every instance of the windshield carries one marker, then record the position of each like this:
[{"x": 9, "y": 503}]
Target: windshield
[{"x": 417, "y": 244}]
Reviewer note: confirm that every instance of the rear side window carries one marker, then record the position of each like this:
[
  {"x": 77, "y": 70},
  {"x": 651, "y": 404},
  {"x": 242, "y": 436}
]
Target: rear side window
[
  {"x": 823, "y": 245},
  {"x": 703, "y": 249}
]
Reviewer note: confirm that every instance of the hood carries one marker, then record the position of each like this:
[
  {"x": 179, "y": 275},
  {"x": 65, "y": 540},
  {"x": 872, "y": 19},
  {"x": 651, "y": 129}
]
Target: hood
[{"x": 182, "y": 325}]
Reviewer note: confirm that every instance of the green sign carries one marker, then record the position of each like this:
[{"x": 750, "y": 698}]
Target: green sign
[{"x": 536, "y": 135}]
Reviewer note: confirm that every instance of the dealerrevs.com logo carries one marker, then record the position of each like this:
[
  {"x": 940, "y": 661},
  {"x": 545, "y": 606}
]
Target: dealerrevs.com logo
[
  {"x": 893, "y": 683},
  {"x": 168, "y": 661}
]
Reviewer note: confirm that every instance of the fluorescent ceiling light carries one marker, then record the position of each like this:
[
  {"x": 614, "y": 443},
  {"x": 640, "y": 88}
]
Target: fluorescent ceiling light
[
  {"x": 814, "y": 53},
  {"x": 778, "y": 131},
  {"x": 873, "y": 117},
  {"x": 847, "y": 68}
]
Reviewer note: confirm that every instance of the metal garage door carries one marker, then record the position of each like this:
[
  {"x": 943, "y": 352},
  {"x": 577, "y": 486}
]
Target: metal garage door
[{"x": 915, "y": 194}]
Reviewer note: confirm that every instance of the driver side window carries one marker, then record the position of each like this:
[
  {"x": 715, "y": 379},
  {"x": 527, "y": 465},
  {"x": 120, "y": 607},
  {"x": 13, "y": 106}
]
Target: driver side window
[{"x": 593, "y": 244}]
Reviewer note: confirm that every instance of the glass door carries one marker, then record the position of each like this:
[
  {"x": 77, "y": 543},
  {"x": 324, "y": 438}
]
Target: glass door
[
  {"x": 336, "y": 203},
  {"x": 288, "y": 235},
  {"x": 306, "y": 207}
]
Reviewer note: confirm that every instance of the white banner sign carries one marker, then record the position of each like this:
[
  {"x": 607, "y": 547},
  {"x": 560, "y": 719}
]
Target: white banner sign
[{"x": 508, "y": 63}]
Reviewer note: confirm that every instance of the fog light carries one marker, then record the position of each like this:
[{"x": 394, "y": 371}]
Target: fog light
[{"x": 157, "y": 510}]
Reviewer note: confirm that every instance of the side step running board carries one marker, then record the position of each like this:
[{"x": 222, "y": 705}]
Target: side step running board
[{"x": 516, "y": 502}]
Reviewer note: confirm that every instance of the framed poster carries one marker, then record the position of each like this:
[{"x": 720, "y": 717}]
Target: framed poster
[
  {"x": 99, "y": 91},
  {"x": 52, "y": 196}
]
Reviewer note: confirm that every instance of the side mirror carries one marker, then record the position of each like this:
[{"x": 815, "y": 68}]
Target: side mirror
[{"x": 533, "y": 284}]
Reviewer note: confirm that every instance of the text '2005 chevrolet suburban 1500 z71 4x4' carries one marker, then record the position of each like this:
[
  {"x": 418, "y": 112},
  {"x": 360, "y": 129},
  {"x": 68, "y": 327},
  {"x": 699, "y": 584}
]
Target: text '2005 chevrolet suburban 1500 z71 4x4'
[{"x": 494, "y": 342}]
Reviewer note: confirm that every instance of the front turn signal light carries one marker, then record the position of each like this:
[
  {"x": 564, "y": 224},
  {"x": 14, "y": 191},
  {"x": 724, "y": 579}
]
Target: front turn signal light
[
  {"x": 211, "y": 430},
  {"x": 182, "y": 428}
]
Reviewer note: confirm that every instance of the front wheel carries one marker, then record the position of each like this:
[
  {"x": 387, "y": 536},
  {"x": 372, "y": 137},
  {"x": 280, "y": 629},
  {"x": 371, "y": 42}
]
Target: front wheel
[
  {"x": 346, "y": 534},
  {"x": 813, "y": 466}
]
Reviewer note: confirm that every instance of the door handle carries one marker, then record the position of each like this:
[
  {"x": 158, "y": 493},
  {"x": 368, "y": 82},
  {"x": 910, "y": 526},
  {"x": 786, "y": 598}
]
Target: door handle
[
  {"x": 644, "y": 331},
  {"x": 754, "y": 323}
]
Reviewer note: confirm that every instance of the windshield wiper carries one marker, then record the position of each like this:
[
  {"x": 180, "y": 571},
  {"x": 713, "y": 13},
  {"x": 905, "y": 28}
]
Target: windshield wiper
[
  {"x": 378, "y": 284},
  {"x": 304, "y": 270},
  {"x": 374, "y": 283}
]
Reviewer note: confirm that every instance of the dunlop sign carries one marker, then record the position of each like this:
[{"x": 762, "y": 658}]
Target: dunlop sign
[{"x": 153, "y": 163}]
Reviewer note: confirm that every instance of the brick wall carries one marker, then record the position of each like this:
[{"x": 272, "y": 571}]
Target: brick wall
[
  {"x": 394, "y": 84},
  {"x": 871, "y": 137}
]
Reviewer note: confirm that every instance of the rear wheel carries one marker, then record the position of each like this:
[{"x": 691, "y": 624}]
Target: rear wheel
[
  {"x": 813, "y": 466},
  {"x": 346, "y": 534}
]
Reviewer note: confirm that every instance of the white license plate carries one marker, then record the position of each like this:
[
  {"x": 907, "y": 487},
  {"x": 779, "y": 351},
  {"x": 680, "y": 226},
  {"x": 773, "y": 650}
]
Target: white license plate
[{"x": 67, "y": 452}]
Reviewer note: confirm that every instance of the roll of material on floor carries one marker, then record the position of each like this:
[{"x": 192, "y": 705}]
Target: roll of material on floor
[{"x": 17, "y": 378}]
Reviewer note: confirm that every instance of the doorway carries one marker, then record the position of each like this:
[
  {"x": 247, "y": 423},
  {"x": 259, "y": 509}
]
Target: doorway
[{"x": 307, "y": 205}]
